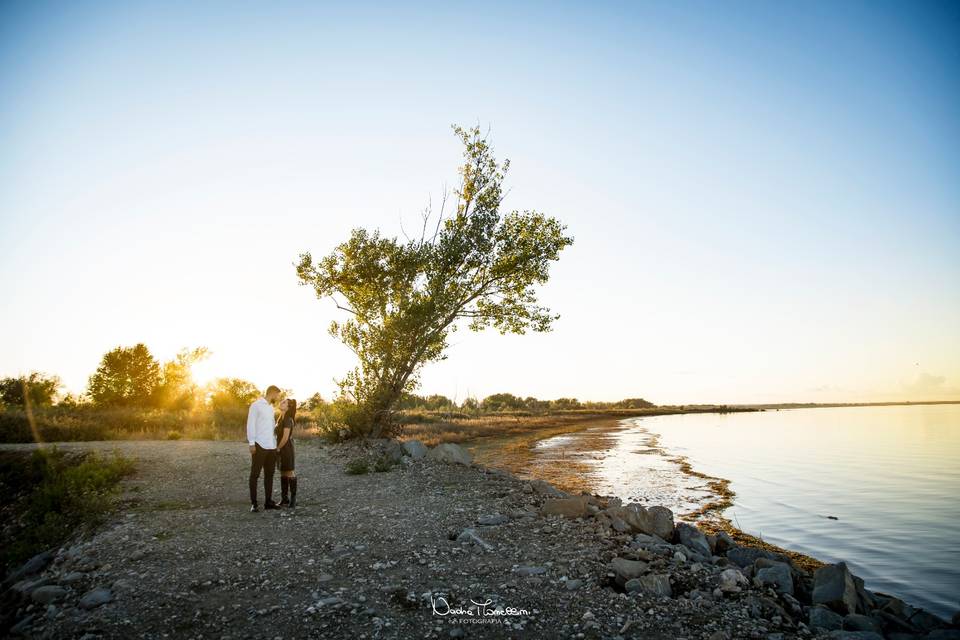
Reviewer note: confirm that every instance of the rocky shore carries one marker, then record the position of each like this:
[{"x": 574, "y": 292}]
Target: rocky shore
[{"x": 436, "y": 547}]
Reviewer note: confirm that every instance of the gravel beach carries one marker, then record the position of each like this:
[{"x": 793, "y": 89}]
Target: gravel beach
[{"x": 432, "y": 548}]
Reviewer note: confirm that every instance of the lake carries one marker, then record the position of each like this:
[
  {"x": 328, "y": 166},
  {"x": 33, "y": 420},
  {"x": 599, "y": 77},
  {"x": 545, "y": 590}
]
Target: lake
[{"x": 890, "y": 476}]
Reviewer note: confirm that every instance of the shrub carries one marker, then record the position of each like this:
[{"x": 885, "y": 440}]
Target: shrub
[
  {"x": 357, "y": 467},
  {"x": 383, "y": 463},
  {"x": 174, "y": 435},
  {"x": 53, "y": 495}
]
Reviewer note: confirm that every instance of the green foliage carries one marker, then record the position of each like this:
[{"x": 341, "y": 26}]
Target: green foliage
[
  {"x": 313, "y": 403},
  {"x": 502, "y": 402},
  {"x": 132, "y": 377},
  {"x": 52, "y": 495},
  {"x": 357, "y": 467},
  {"x": 36, "y": 388},
  {"x": 230, "y": 399},
  {"x": 174, "y": 435},
  {"x": 127, "y": 376},
  {"x": 405, "y": 298},
  {"x": 383, "y": 463},
  {"x": 177, "y": 390}
]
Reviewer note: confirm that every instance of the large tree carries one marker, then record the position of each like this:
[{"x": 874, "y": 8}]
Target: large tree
[
  {"x": 405, "y": 297},
  {"x": 177, "y": 389},
  {"x": 127, "y": 376}
]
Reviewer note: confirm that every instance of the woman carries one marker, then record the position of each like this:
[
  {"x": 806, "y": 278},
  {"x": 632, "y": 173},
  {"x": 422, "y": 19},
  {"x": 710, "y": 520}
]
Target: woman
[{"x": 284, "y": 431}]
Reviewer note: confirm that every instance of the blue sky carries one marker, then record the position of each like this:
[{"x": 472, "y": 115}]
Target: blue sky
[{"x": 764, "y": 197}]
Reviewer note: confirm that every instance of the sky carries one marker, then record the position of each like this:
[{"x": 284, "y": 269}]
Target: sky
[{"x": 764, "y": 197}]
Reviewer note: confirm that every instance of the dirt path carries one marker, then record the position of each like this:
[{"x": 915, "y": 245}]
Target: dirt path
[{"x": 361, "y": 557}]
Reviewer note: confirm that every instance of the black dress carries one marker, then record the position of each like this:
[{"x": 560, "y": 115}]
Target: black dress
[{"x": 286, "y": 454}]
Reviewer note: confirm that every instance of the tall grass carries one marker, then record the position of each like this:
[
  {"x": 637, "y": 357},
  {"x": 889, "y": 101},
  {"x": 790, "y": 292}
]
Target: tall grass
[{"x": 84, "y": 423}]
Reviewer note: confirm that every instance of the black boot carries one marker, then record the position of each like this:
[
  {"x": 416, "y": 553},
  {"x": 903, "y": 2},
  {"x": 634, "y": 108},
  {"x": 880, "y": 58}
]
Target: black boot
[
  {"x": 284, "y": 491},
  {"x": 293, "y": 492}
]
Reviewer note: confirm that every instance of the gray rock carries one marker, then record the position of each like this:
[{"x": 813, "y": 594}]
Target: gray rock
[
  {"x": 652, "y": 585},
  {"x": 573, "y": 585},
  {"x": 544, "y": 488},
  {"x": 855, "y": 635},
  {"x": 743, "y": 557},
  {"x": 470, "y": 535},
  {"x": 22, "y": 627},
  {"x": 492, "y": 519},
  {"x": 724, "y": 543},
  {"x": 628, "y": 569},
  {"x": 530, "y": 571},
  {"x": 48, "y": 594},
  {"x": 662, "y": 522},
  {"x": 778, "y": 576},
  {"x": 833, "y": 586},
  {"x": 415, "y": 449},
  {"x": 95, "y": 597},
  {"x": 393, "y": 450},
  {"x": 655, "y": 521},
  {"x": 566, "y": 507},
  {"x": 732, "y": 580},
  {"x": 450, "y": 453},
  {"x": 73, "y": 577},
  {"x": 619, "y": 525},
  {"x": 693, "y": 538},
  {"x": 860, "y": 622},
  {"x": 33, "y": 566},
  {"x": 927, "y": 621}
]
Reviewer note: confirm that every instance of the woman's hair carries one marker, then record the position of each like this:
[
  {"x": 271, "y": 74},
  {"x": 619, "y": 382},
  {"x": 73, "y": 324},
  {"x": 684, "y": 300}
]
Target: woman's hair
[{"x": 291, "y": 411}]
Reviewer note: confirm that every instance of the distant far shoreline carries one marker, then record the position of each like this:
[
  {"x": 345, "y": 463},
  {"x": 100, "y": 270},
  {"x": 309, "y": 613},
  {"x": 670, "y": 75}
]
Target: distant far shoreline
[{"x": 828, "y": 405}]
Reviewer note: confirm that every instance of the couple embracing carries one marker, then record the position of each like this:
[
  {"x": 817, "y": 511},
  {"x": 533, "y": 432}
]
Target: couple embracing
[{"x": 271, "y": 444}]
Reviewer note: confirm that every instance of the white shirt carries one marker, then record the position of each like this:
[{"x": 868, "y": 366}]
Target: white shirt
[{"x": 260, "y": 424}]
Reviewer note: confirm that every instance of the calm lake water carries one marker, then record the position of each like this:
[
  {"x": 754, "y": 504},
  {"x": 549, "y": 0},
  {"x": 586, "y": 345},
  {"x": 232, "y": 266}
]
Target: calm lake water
[{"x": 889, "y": 475}]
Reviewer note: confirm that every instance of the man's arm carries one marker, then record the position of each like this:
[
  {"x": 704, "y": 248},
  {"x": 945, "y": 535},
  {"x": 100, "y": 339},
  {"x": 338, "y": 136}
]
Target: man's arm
[{"x": 252, "y": 427}]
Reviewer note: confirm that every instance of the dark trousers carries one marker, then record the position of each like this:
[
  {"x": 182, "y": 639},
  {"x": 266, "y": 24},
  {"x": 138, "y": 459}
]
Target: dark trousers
[{"x": 265, "y": 459}]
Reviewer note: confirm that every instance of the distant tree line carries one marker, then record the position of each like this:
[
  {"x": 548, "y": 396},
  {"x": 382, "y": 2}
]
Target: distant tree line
[
  {"x": 131, "y": 377},
  {"x": 506, "y": 402}
]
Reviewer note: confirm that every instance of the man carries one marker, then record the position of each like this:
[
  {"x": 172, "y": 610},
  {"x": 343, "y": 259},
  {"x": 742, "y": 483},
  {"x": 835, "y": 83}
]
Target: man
[{"x": 263, "y": 447}]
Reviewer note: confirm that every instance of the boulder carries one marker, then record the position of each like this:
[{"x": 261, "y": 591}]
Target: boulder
[
  {"x": 544, "y": 488},
  {"x": 724, "y": 543},
  {"x": 47, "y": 594},
  {"x": 95, "y": 597},
  {"x": 415, "y": 449},
  {"x": 655, "y": 521},
  {"x": 33, "y": 566},
  {"x": 619, "y": 525},
  {"x": 628, "y": 569},
  {"x": 656, "y": 585},
  {"x": 833, "y": 586},
  {"x": 743, "y": 557},
  {"x": 693, "y": 538},
  {"x": 821, "y": 617},
  {"x": 731, "y": 581},
  {"x": 393, "y": 450},
  {"x": 661, "y": 522},
  {"x": 860, "y": 622},
  {"x": 450, "y": 453},
  {"x": 566, "y": 507},
  {"x": 778, "y": 576}
]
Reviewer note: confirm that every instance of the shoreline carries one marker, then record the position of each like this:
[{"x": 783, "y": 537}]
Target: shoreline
[{"x": 366, "y": 556}]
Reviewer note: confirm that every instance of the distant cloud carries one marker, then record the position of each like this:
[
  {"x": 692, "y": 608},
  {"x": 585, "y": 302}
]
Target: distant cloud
[{"x": 929, "y": 385}]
